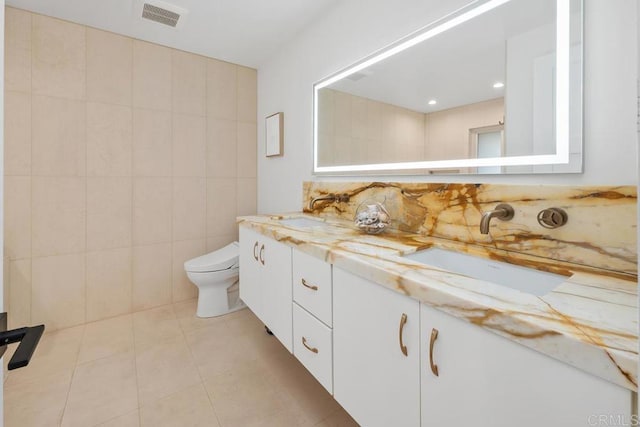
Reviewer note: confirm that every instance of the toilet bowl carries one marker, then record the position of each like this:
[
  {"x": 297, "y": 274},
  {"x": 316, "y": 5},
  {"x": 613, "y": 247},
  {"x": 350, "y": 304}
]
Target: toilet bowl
[{"x": 216, "y": 276}]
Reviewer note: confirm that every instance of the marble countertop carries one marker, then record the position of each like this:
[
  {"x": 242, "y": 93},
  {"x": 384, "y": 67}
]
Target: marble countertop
[{"x": 589, "y": 321}]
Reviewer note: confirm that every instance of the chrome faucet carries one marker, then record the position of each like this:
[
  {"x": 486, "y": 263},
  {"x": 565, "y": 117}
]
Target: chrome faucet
[
  {"x": 344, "y": 197},
  {"x": 503, "y": 212}
]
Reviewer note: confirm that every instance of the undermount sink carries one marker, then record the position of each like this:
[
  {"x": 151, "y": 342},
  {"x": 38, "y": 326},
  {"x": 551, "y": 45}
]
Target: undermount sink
[
  {"x": 524, "y": 279},
  {"x": 302, "y": 222}
]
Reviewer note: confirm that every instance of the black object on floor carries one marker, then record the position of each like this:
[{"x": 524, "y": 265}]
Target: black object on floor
[
  {"x": 267, "y": 330},
  {"x": 28, "y": 337}
]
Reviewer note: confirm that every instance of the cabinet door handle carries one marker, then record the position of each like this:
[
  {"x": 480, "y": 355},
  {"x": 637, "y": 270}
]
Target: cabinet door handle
[
  {"x": 432, "y": 341},
  {"x": 261, "y": 257},
  {"x": 306, "y": 285},
  {"x": 255, "y": 249},
  {"x": 403, "y": 321},
  {"x": 311, "y": 349}
]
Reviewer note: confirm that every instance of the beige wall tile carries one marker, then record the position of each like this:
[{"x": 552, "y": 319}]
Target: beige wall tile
[
  {"x": 59, "y": 215},
  {"x": 151, "y": 143},
  {"x": 189, "y": 76},
  {"x": 19, "y": 293},
  {"x": 190, "y": 406},
  {"x": 59, "y": 50},
  {"x": 189, "y": 148},
  {"x": 109, "y": 288},
  {"x": 58, "y": 291},
  {"x": 247, "y": 198},
  {"x": 218, "y": 242},
  {"x": 151, "y": 76},
  {"x": 152, "y": 213},
  {"x": 222, "y": 98},
  {"x": 58, "y": 143},
  {"x": 108, "y": 140},
  {"x": 189, "y": 208},
  {"x": 17, "y": 216},
  {"x": 109, "y": 67},
  {"x": 17, "y": 44},
  {"x": 101, "y": 390},
  {"x": 247, "y": 150},
  {"x": 183, "y": 251},
  {"x": 151, "y": 276},
  {"x": 109, "y": 212},
  {"x": 222, "y": 150},
  {"x": 247, "y": 94},
  {"x": 221, "y": 207},
  {"x": 17, "y": 133}
]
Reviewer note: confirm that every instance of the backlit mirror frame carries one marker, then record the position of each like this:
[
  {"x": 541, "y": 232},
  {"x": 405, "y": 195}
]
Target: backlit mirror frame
[{"x": 562, "y": 112}]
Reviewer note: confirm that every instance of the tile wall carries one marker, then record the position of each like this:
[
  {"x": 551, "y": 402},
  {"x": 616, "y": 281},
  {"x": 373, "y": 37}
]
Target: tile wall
[{"x": 122, "y": 160}]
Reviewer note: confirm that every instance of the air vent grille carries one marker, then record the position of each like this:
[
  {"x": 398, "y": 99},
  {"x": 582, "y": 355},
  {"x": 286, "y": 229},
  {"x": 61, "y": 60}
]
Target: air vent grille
[{"x": 158, "y": 14}]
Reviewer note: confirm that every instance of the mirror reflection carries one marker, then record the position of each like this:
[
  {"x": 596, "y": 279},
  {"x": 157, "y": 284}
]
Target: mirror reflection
[{"x": 485, "y": 89}]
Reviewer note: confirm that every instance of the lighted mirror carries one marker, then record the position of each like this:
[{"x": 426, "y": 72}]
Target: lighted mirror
[{"x": 494, "y": 87}]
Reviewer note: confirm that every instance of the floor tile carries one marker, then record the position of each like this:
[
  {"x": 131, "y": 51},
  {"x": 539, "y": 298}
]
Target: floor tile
[
  {"x": 101, "y": 390},
  {"x": 128, "y": 420},
  {"x": 217, "y": 350},
  {"x": 242, "y": 397},
  {"x": 167, "y": 367},
  {"x": 164, "y": 368},
  {"x": 106, "y": 338},
  {"x": 155, "y": 325},
  {"x": 39, "y": 403},
  {"x": 189, "y": 407}
]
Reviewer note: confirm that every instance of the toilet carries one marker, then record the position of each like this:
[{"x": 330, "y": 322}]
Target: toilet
[{"x": 216, "y": 276}]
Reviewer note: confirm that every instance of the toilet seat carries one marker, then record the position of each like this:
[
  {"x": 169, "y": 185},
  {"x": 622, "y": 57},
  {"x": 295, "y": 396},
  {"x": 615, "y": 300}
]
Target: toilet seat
[{"x": 222, "y": 259}]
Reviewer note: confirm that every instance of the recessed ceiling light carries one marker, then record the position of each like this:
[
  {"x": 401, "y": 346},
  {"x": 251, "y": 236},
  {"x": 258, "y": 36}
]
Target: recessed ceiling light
[
  {"x": 498, "y": 85},
  {"x": 432, "y": 102}
]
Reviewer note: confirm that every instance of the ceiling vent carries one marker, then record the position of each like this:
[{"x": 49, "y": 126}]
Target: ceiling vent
[{"x": 161, "y": 12}]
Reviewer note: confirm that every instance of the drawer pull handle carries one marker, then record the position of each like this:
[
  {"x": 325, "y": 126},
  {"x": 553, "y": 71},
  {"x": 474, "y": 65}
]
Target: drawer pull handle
[
  {"x": 311, "y": 349},
  {"x": 261, "y": 257},
  {"x": 255, "y": 249},
  {"x": 306, "y": 285},
  {"x": 403, "y": 321},
  {"x": 432, "y": 341}
]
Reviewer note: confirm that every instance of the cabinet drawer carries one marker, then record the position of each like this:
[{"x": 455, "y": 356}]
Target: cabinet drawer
[
  {"x": 312, "y": 285},
  {"x": 312, "y": 346}
]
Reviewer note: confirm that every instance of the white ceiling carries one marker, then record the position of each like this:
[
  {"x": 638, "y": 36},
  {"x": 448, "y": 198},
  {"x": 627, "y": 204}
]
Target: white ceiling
[{"x": 244, "y": 32}]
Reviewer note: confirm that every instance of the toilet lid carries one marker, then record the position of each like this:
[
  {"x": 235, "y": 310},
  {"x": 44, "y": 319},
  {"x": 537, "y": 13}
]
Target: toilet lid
[{"x": 221, "y": 259}]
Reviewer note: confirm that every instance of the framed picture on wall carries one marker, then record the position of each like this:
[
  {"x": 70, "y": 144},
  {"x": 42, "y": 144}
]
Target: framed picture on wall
[{"x": 274, "y": 144}]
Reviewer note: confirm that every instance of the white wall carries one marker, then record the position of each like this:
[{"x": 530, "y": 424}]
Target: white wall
[{"x": 355, "y": 28}]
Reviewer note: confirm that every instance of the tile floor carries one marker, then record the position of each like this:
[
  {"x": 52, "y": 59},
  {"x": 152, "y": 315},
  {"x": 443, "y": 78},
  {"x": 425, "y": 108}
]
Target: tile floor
[{"x": 166, "y": 367}]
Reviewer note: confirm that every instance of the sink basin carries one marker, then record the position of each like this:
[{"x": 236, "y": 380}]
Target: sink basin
[
  {"x": 523, "y": 279},
  {"x": 301, "y": 222}
]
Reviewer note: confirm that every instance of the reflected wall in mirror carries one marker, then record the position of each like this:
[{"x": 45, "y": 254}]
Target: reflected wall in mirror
[{"x": 495, "y": 87}]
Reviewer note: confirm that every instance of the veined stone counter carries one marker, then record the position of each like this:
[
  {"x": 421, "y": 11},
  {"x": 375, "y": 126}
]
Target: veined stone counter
[{"x": 589, "y": 321}]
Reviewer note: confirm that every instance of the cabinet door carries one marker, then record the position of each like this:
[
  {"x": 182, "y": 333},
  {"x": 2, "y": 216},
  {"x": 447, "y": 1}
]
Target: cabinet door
[
  {"x": 489, "y": 381},
  {"x": 250, "y": 280},
  {"x": 277, "y": 299},
  {"x": 372, "y": 379}
]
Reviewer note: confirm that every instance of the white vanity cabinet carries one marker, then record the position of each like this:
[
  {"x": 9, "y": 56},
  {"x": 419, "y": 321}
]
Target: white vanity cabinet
[
  {"x": 265, "y": 282},
  {"x": 374, "y": 379},
  {"x": 312, "y": 316},
  {"x": 486, "y": 380}
]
